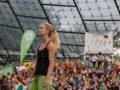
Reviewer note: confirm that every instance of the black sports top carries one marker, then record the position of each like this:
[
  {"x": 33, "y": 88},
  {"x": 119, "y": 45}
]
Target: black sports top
[{"x": 43, "y": 61}]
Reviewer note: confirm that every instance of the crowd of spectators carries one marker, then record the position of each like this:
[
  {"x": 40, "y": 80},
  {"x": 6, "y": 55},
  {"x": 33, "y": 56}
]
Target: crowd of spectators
[
  {"x": 16, "y": 80},
  {"x": 81, "y": 77},
  {"x": 68, "y": 77}
]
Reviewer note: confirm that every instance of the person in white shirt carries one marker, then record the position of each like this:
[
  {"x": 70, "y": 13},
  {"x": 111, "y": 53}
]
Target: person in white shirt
[
  {"x": 94, "y": 58},
  {"x": 87, "y": 60},
  {"x": 26, "y": 67},
  {"x": 106, "y": 59},
  {"x": 33, "y": 64},
  {"x": 87, "y": 70},
  {"x": 100, "y": 59},
  {"x": 21, "y": 67}
]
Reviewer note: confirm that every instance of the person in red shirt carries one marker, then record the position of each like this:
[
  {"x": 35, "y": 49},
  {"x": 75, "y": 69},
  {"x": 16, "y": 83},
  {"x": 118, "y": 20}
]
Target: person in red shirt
[
  {"x": 112, "y": 71},
  {"x": 21, "y": 78},
  {"x": 117, "y": 68},
  {"x": 82, "y": 67}
]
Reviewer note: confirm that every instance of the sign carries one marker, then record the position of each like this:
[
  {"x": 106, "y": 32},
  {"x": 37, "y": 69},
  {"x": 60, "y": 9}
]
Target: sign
[
  {"x": 26, "y": 41},
  {"x": 7, "y": 69},
  {"x": 99, "y": 43},
  {"x": 29, "y": 63}
]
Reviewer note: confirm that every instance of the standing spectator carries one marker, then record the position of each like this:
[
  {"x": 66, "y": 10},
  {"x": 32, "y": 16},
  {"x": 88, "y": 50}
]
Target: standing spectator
[
  {"x": 94, "y": 58},
  {"x": 21, "y": 67},
  {"x": 100, "y": 59},
  {"x": 87, "y": 60},
  {"x": 106, "y": 59}
]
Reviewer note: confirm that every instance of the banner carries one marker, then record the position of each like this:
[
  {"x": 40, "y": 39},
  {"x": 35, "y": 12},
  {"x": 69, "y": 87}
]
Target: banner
[
  {"x": 29, "y": 63},
  {"x": 99, "y": 43},
  {"x": 26, "y": 41},
  {"x": 6, "y": 70}
]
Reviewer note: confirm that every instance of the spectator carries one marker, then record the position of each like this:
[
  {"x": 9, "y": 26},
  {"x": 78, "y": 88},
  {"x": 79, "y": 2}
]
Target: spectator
[
  {"x": 94, "y": 59},
  {"x": 19, "y": 85},
  {"x": 100, "y": 59},
  {"x": 87, "y": 60},
  {"x": 79, "y": 77}
]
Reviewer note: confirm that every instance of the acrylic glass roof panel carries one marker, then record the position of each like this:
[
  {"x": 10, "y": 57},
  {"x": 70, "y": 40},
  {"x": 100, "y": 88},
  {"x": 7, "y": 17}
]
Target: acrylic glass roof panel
[
  {"x": 10, "y": 51},
  {"x": 61, "y": 35},
  {"x": 63, "y": 40},
  {"x": 1, "y": 46},
  {"x": 102, "y": 5},
  {"x": 74, "y": 50},
  {"x": 35, "y": 44},
  {"x": 78, "y": 39},
  {"x": 60, "y": 2},
  {"x": 69, "y": 17},
  {"x": 100, "y": 27},
  {"x": 66, "y": 49},
  {"x": 92, "y": 6},
  {"x": 7, "y": 16},
  {"x": 31, "y": 23},
  {"x": 114, "y": 11},
  {"x": 11, "y": 36},
  {"x": 81, "y": 49},
  {"x": 91, "y": 27},
  {"x": 63, "y": 15},
  {"x": 58, "y": 54},
  {"x": 98, "y": 9},
  {"x": 27, "y": 8},
  {"x": 115, "y": 33},
  {"x": 69, "y": 38}
]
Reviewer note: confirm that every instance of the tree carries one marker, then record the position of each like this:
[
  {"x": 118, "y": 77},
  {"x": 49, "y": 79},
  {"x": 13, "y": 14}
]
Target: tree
[{"x": 116, "y": 42}]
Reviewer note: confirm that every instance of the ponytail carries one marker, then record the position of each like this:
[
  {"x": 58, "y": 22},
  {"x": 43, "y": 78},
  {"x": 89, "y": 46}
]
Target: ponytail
[
  {"x": 53, "y": 34},
  {"x": 55, "y": 39}
]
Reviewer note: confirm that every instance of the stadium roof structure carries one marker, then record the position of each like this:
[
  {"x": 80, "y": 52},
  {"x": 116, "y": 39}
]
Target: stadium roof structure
[{"x": 71, "y": 19}]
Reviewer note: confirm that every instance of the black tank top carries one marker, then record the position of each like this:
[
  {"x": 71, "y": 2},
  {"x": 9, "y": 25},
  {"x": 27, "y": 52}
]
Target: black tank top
[{"x": 43, "y": 61}]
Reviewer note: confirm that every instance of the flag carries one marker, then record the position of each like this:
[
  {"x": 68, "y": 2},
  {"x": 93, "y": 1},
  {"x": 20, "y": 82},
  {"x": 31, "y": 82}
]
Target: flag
[
  {"x": 26, "y": 41},
  {"x": 105, "y": 37}
]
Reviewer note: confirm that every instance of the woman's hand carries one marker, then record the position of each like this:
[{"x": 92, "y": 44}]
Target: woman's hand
[
  {"x": 28, "y": 81},
  {"x": 46, "y": 83}
]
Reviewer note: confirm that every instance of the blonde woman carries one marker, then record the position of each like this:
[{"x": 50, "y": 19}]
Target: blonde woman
[{"x": 45, "y": 58}]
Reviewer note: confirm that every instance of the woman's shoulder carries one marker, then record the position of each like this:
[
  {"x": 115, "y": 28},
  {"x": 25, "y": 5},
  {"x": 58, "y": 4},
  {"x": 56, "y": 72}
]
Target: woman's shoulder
[{"x": 51, "y": 45}]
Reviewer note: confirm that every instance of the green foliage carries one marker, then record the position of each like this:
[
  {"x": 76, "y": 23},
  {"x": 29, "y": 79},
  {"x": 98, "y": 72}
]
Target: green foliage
[
  {"x": 116, "y": 46},
  {"x": 116, "y": 42}
]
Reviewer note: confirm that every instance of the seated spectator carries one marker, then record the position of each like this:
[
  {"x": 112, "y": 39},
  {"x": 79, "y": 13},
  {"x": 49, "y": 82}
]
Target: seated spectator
[{"x": 19, "y": 85}]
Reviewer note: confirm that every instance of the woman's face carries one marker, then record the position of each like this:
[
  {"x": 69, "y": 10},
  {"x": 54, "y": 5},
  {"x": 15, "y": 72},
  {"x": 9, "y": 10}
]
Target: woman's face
[
  {"x": 42, "y": 30},
  {"x": 119, "y": 73},
  {"x": 95, "y": 81},
  {"x": 95, "y": 88},
  {"x": 116, "y": 83},
  {"x": 108, "y": 83},
  {"x": 103, "y": 84},
  {"x": 59, "y": 88},
  {"x": 74, "y": 87},
  {"x": 107, "y": 76}
]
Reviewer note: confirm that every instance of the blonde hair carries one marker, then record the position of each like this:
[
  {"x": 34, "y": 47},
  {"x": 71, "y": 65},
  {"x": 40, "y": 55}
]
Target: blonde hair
[{"x": 52, "y": 34}]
